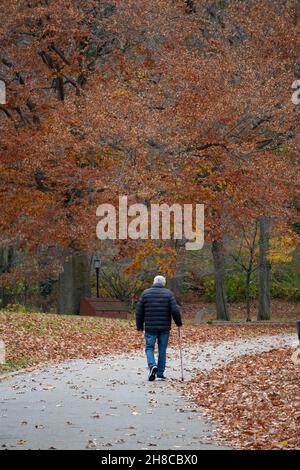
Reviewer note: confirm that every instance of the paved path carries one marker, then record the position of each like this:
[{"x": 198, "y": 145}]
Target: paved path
[{"x": 107, "y": 403}]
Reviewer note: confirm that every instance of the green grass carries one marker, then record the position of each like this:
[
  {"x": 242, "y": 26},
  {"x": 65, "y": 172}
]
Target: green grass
[{"x": 11, "y": 366}]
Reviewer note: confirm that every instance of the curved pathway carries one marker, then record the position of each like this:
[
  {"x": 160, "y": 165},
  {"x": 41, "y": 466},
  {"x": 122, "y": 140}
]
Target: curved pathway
[{"x": 107, "y": 403}]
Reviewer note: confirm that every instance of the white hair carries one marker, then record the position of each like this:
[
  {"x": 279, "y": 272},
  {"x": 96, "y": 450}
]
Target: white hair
[{"x": 160, "y": 280}]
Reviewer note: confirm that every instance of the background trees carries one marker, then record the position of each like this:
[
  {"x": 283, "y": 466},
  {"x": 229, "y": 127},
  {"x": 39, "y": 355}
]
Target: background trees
[{"x": 173, "y": 101}]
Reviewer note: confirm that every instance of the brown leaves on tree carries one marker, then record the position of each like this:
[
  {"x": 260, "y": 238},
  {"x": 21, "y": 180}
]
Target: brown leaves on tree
[{"x": 178, "y": 106}]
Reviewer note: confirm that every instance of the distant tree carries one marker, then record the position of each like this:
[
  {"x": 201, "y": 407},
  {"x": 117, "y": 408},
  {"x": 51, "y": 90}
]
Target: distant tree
[{"x": 246, "y": 259}]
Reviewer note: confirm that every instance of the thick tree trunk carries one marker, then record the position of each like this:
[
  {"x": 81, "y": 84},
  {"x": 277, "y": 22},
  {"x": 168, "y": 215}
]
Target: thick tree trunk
[
  {"x": 74, "y": 283},
  {"x": 264, "y": 269},
  {"x": 219, "y": 268}
]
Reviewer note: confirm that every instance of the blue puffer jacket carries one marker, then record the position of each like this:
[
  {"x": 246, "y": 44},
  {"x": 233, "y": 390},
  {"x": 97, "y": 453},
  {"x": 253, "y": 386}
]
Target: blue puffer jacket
[{"x": 156, "y": 308}]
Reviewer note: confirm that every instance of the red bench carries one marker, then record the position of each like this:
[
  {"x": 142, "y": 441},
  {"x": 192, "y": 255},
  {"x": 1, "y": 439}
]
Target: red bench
[{"x": 103, "y": 307}]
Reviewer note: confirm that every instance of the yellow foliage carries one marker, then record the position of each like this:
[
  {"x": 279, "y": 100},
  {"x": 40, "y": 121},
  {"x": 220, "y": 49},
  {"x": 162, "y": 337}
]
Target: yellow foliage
[
  {"x": 152, "y": 256},
  {"x": 281, "y": 249}
]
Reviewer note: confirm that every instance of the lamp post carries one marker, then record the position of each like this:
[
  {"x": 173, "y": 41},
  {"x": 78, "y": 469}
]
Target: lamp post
[{"x": 97, "y": 268}]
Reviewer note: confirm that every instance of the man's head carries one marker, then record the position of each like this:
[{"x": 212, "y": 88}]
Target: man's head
[{"x": 161, "y": 280}]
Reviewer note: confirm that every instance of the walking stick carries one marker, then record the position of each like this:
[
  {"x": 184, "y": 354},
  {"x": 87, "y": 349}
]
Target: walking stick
[{"x": 180, "y": 349}]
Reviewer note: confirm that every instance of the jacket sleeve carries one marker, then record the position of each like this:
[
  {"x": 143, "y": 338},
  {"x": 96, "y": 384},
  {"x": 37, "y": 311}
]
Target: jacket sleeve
[
  {"x": 140, "y": 314},
  {"x": 175, "y": 310}
]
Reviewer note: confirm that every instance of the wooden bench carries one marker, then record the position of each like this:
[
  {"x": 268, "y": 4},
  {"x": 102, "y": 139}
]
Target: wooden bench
[{"x": 103, "y": 307}]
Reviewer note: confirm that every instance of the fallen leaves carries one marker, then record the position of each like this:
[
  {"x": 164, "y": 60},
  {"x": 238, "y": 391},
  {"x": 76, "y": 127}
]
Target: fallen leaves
[
  {"x": 33, "y": 338},
  {"x": 217, "y": 333},
  {"x": 91, "y": 444},
  {"x": 281, "y": 310},
  {"x": 255, "y": 400}
]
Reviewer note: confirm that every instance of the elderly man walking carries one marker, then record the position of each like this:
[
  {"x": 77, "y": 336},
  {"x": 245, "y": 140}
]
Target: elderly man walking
[{"x": 155, "y": 310}]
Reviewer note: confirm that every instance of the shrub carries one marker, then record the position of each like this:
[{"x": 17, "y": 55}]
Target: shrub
[
  {"x": 17, "y": 308},
  {"x": 285, "y": 284},
  {"x": 236, "y": 287}
]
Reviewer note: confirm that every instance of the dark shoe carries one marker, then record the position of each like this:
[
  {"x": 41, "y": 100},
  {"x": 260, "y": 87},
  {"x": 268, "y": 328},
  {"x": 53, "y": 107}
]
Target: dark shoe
[
  {"x": 152, "y": 373},
  {"x": 161, "y": 377}
]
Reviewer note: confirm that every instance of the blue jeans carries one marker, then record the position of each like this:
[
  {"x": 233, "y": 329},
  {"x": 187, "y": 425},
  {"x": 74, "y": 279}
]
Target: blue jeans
[{"x": 162, "y": 338}]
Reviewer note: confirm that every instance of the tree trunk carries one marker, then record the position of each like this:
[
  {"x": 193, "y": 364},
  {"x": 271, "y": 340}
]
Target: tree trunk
[
  {"x": 26, "y": 304},
  {"x": 176, "y": 283},
  {"x": 74, "y": 283},
  {"x": 219, "y": 267},
  {"x": 6, "y": 260},
  {"x": 248, "y": 279},
  {"x": 297, "y": 12},
  {"x": 264, "y": 269}
]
